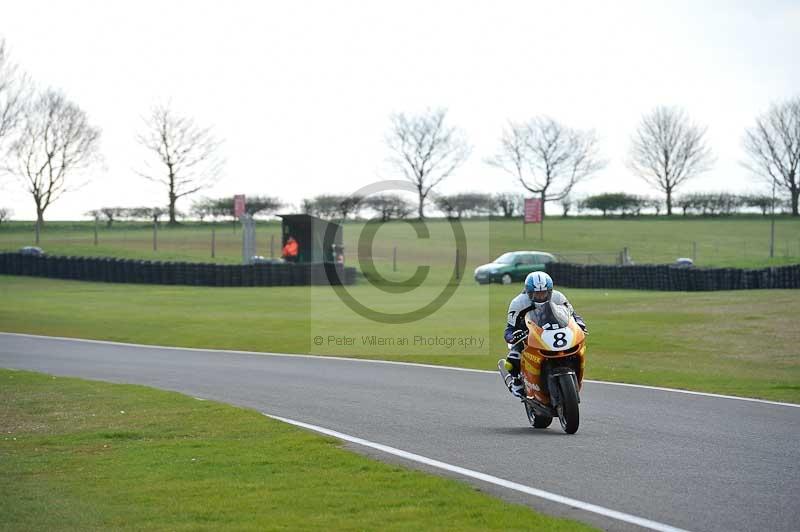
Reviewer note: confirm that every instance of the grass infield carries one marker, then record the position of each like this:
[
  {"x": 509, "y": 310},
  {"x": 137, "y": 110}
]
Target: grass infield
[
  {"x": 741, "y": 241},
  {"x": 83, "y": 455}
]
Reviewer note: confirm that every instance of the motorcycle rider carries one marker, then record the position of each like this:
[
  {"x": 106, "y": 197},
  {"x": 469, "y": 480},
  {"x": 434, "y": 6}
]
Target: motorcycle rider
[{"x": 537, "y": 293}]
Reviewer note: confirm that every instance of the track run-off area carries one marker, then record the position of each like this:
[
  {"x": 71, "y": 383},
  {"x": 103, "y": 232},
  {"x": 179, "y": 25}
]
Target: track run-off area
[{"x": 644, "y": 457}]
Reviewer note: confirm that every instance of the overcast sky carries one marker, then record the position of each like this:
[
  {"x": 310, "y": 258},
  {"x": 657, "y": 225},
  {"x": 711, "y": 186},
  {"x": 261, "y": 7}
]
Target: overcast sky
[{"x": 302, "y": 92}]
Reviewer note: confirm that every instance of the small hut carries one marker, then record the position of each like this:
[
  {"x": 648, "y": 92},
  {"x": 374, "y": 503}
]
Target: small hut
[{"x": 318, "y": 240}]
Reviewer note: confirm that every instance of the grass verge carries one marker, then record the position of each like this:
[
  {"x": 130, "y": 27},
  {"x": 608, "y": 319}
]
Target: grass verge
[
  {"x": 82, "y": 455},
  {"x": 739, "y": 241}
]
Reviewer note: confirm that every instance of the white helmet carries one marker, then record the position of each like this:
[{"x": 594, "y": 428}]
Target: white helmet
[{"x": 539, "y": 287}]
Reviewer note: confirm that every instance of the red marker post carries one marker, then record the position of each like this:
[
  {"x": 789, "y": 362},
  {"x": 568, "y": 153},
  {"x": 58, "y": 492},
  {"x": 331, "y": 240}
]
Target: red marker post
[
  {"x": 533, "y": 214},
  {"x": 238, "y": 206}
]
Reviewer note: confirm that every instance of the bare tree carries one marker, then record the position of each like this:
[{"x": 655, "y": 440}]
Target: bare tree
[
  {"x": 509, "y": 203},
  {"x": 55, "y": 140},
  {"x": 334, "y": 206},
  {"x": 426, "y": 150},
  {"x": 225, "y": 207},
  {"x": 458, "y": 205},
  {"x": 389, "y": 206},
  {"x": 773, "y": 148},
  {"x": 201, "y": 208},
  {"x": 111, "y": 214},
  {"x": 14, "y": 93},
  {"x": 667, "y": 150},
  {"x": 653, "y": 203},
  {"x": 567, "y": 202},
  {"x": 153, "y": 214},
  {"x": 547, "y": 158},
  {"x": 185, "y": 154},
  {"x": 5, "y": 214}
]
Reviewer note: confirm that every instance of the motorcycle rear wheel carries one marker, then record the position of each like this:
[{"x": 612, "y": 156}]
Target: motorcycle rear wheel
[
  {"x": 537, "y": 421},
  {"x": 568, "y": 413}
]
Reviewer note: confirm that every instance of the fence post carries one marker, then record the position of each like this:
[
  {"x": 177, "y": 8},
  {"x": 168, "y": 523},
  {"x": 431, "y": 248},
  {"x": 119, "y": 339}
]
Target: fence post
[
  {"x": 213, "y": 242},
  {"x": 248, "y": 238}
]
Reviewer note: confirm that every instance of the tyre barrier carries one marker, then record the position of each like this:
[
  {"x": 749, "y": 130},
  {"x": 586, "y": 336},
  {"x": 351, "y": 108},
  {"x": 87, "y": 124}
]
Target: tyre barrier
[
  {"x": 112, "y": 270},
  {"x": 671, "y": 278}
]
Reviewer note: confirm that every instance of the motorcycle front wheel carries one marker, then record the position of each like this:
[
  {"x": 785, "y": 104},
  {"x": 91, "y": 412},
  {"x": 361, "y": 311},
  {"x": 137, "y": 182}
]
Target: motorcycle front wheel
[{"x": 568, "y": 413}]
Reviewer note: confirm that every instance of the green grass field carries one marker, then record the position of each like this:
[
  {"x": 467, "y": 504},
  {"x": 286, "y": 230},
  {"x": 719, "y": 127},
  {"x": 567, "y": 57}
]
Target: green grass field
[
  {"x": 730, "y": 242},
  {"x": 740, "y": 343},
  {"x": 72, "y": 470},
  {"x": 80, "y": 455}
]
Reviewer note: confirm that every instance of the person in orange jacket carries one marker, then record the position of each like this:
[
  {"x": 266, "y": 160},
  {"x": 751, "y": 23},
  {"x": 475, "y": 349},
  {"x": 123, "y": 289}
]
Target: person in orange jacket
[{"x": 290, "y": 250}]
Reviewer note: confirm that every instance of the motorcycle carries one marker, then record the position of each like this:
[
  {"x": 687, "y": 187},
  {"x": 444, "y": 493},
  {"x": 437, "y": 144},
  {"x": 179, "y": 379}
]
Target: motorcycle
[{"x": 551, "y": 368}]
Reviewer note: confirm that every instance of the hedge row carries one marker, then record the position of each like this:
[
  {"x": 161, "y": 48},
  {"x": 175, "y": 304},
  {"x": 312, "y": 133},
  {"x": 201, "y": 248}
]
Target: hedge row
[
  {"x": 114, "y": 270},
  {"x": 665, "y": 277}
]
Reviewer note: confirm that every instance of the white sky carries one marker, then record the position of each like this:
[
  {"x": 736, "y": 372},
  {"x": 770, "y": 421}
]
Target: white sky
[{"x": 301, "y": 92}]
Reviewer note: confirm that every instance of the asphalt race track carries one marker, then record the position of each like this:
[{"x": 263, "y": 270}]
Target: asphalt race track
[{"x": 693, "y": 462}]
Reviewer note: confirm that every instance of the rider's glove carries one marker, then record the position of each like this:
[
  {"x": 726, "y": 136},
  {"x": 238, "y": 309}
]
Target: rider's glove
[
  {"x": 581, "y": 324},
  {"x": 518, "y": 336}
]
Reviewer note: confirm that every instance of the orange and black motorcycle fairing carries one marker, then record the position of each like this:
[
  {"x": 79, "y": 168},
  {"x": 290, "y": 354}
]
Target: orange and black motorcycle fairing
[{"x": 551, "y": 368}]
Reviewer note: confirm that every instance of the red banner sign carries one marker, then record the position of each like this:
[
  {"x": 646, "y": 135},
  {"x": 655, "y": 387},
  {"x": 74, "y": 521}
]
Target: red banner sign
[
  {"x": 238, "y": 205},
  {"x": 533, "y": 210}
]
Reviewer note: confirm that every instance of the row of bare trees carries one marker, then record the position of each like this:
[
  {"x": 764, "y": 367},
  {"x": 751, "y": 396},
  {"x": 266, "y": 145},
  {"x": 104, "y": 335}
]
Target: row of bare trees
[
  {"x": 395, "y": 207},
  {"x": 109, "y": 215},
  {"x": 548, "y": 158},
  {"x": 668, "y": 149},
  {"x": 46, "y": 139},
  {"x": 700, "y": 203},
  {"x": 225, "y": 208}
]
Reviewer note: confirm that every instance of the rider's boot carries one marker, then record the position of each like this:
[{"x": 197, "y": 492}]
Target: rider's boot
[
  {"x": 516, "y": 387},
  {"x": 512, "y": 380}
]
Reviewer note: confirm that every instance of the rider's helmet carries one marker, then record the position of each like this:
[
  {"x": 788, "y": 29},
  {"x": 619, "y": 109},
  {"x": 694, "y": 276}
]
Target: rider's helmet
[{"x": 539, "y": 287}]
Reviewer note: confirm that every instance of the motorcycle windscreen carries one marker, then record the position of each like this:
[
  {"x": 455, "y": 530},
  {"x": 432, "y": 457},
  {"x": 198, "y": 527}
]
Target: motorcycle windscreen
[{"x": 553, "y": 317}]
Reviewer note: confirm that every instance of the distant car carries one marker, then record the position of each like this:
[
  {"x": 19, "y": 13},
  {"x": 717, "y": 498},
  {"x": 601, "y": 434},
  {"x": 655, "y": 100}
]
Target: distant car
[
  {"x": 31, "y": 250},
  {"x": 513, "y": 266},
  {"x": 258, "y": 259}
]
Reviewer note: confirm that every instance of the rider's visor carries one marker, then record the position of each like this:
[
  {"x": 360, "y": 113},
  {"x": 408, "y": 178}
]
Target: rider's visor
[{"x": 539, "y": 297}]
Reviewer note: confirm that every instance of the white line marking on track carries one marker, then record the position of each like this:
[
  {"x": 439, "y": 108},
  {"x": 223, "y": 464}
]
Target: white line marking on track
[
  {"x": 689, "y": 392},
  {"x": 593, "y": 508},
  {"x": 393, "y": 362}
]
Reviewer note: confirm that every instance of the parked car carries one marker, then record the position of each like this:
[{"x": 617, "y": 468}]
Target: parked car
[
  {"x": 31, "y": 250},
  {"x": 513, "y": 266}
]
